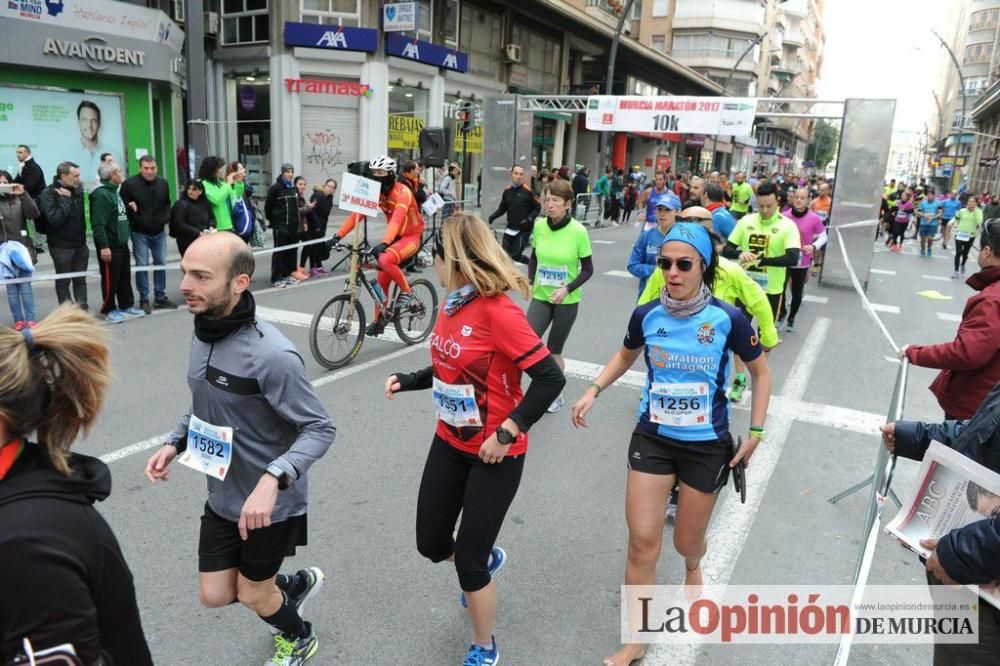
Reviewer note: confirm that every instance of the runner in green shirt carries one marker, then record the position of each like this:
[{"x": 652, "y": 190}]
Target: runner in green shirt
[
  {"x": 560, "y": 264},
  {"x": 967, "y": 223},
  {"x": 742, "y": 193},
  {"x": 767, "y": 244}
]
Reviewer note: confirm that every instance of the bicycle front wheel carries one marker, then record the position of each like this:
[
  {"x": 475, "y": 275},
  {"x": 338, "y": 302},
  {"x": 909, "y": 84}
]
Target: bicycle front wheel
[
  {"x": 336, "y": 332},
  {"x": 415, "y": 319}
]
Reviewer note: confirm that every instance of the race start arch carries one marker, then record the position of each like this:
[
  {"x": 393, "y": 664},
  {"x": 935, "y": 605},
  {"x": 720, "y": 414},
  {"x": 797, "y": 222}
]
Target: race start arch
[{"x": 865, "y": 135}]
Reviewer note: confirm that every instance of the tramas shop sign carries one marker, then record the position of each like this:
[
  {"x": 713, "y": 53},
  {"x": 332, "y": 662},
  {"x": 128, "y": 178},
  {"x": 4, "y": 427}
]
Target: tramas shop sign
[{"x": 351, "y": 88}]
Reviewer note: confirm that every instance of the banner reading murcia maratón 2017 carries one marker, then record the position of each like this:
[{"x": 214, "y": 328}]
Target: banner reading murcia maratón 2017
[{"x": 725, "y": 116}]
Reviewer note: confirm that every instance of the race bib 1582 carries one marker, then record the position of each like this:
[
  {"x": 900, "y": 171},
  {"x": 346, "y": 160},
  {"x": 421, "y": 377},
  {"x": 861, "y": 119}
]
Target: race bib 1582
[{"x": 209, "y": 448}]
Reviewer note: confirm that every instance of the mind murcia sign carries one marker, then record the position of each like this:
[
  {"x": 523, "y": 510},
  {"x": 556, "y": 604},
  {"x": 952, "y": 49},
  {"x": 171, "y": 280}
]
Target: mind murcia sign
[{"x": 95, "y": 51}]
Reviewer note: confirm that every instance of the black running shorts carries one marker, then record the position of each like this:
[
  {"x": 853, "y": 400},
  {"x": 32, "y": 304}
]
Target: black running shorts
[
  {"x": 702, "y": 465},
  {"x": 259, "y": 557}
]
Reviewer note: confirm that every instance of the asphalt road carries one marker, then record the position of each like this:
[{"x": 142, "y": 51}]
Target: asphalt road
[{"x": 565, "y": 533}]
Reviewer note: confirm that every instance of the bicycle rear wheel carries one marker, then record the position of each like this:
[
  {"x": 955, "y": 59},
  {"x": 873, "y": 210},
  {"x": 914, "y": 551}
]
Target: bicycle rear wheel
[
  {"x": 415, "y": 319},
  {"x": 336, "y": 334}
]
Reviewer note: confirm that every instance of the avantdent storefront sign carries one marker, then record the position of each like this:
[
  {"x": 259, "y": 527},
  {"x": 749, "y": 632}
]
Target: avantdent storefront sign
[{"x": 95, "y": 51}]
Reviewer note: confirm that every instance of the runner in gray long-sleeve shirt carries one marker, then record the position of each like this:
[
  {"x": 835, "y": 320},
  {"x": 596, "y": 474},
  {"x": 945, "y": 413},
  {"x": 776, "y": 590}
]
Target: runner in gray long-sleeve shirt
[{"x": 254, "y": 428}]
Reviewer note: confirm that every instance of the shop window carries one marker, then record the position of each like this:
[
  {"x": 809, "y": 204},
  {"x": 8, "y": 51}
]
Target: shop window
[
  {"x": 332, "y": 12},
  {"x": 450, "y": 22},
  {"x": 424, "y": 16},
  {"x": 244, "y": 21},
  {"x": 540, "y": 57},
  {"x": 253, "y": 131},
  {"x": 407, "y": 116},
  {"x": 481, "y": 36}
]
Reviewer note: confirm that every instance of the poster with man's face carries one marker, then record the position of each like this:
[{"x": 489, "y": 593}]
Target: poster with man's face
[{"x": 60, "y": 126}]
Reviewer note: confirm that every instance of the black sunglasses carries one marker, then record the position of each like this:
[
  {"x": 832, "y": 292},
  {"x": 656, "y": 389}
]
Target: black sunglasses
[
  {"x": 683, "y": 265},
  {"x": 696, "y": 220}
]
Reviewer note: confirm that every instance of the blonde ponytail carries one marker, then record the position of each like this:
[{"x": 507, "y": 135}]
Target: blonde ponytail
[{"x": 53, "y": 379}]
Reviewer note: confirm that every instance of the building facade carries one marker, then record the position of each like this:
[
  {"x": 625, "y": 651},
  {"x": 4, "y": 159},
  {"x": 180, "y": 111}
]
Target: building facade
[
  {"x": 93, "y": 78},
  {"x": 752, "y": 48},
  {"x": 321, "y": 83}
]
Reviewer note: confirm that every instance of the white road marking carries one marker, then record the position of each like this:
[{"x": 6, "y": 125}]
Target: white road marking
[
  {"x": 881, "y": 271},
  {"x": 602, "y": 242},
  {"x": 842, "y": 418},
  {"x": 891, "y": 309},
  {"x": 304, "y": 320},
  {"x": 939, "y": 278},
  {"x": 947, "y": 316},
  {"x": 158, "y": 440},
  {"x": 621, "y": 274},
  {"x": 809, "y": 298}
]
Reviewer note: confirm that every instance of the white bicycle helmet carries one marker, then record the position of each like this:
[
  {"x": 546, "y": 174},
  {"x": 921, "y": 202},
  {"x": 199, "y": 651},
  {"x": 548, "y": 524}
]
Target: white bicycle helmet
[{"x": 383, "y": 162}]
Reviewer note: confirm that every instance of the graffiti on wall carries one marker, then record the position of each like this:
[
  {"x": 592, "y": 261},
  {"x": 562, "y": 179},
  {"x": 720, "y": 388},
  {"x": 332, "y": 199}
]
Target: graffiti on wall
[{"x": 323, "y": 152}]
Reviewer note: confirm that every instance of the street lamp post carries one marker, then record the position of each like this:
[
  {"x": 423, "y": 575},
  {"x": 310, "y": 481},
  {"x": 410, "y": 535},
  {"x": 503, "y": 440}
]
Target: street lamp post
[
  {"x": 961, "y": 92},
  {"x": 725, "y": 86},
  {"x": 609, "y": 81}
]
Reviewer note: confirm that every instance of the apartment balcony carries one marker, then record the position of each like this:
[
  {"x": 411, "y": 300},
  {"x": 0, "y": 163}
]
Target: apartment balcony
[
  {"x": 796, "y": 7},
  {"x": 736, "y": 15},
  {"x": 794, "y": 37},
  {"x": 713, "y": 59}
]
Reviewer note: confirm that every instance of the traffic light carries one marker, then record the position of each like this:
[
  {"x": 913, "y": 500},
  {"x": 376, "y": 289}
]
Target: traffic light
[{"x": 466, "y": 117}]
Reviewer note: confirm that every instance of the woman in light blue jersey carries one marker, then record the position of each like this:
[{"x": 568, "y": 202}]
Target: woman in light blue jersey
[{"x": 682, "y": 433}]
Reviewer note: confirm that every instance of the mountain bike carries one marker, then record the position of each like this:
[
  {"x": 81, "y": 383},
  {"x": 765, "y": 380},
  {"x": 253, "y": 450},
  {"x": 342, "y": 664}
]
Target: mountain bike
[{"x": 338, "y": 329}]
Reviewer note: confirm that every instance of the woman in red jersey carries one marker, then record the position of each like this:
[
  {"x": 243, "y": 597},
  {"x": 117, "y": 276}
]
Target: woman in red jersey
[{"x": 481, "y": 344}]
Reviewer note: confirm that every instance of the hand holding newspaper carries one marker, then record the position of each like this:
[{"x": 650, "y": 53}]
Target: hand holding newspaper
[{"x": 951, "y": 491}]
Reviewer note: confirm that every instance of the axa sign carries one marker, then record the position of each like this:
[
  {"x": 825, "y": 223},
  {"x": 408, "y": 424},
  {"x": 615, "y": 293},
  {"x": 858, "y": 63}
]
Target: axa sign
[
  {"x": 95, "y": 51},
  {"x": 335, "y": 37},
  {"x": 425, "y": 52}
]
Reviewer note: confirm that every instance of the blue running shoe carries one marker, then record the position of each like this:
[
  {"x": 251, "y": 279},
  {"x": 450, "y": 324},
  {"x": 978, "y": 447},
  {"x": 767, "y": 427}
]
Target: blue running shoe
[
  {"x": 498, "y": 557},
  {"x": 480, "y": 656}
]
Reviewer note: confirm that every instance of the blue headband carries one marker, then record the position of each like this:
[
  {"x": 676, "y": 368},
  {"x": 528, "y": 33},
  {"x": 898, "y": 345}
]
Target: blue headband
[
  {"x": 28, "y": 339},
  {"x": 694, "y": 235}
]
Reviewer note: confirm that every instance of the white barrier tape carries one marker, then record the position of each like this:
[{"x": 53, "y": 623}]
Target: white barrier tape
[
  {"x": 865, "y": 303},
  {"x": 149, "y": 268}
]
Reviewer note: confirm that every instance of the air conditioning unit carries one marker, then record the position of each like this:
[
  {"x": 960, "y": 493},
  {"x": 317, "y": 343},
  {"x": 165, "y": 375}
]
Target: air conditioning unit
[
  {"x": 211, "y": 23},
  {"x": 513, "y": 52},
  {"x": 179, "y": 11}
]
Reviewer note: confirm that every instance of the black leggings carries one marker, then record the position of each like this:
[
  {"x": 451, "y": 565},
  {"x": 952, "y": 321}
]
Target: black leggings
[
  {"x": 561, "y": 317},
  {"x": 962, "y": 252},
  {"x": 898, "y": 232},
  {"x": 453, "y": 482},
  {"x": 797, "y": 277}
]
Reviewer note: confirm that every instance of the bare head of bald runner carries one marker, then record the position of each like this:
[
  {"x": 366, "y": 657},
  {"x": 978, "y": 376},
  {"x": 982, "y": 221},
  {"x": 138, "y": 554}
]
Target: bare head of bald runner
[
  {"x": 216, "y": 270},
  {"x": 254, "y": 428}
]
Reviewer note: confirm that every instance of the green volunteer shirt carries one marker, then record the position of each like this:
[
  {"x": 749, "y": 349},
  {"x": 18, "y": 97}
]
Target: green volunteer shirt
[
  {"x": 766, "y": 238},
  {"x": 742, "y": 192},
  {"x": 558, "y": 254},
  {"x": 968, "y": 223}
]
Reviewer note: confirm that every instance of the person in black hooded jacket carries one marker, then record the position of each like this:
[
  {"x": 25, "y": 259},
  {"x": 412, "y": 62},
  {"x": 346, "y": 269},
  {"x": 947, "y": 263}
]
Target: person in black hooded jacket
[
  {"x": 191, "y": 216},
  {"x": 64, "y": 577}
]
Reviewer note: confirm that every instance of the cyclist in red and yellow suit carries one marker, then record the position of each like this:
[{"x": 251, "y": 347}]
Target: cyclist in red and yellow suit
[{"x": 402, "y": 234}]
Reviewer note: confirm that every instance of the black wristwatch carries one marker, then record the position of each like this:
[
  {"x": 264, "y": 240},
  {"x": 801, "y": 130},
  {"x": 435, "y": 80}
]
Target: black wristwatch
[{"x": 505, "y": 437}]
